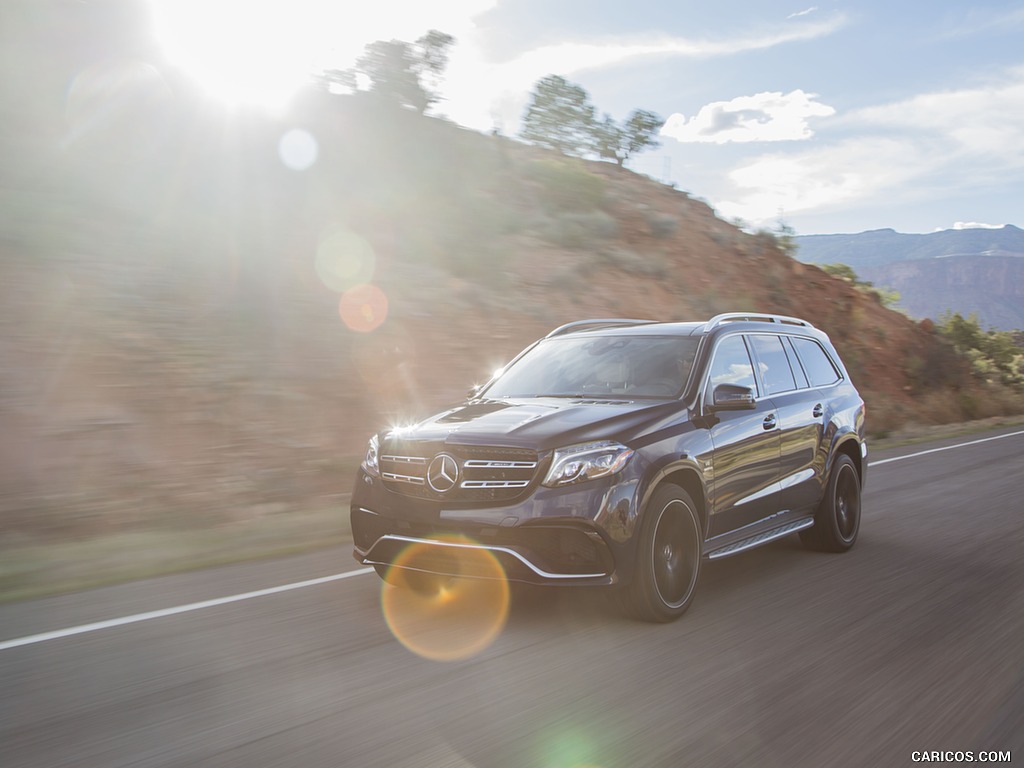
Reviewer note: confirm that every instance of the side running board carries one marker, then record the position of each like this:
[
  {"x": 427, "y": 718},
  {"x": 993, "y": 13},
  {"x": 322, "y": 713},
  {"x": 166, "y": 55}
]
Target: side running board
[{"x": 761, "y": 538}]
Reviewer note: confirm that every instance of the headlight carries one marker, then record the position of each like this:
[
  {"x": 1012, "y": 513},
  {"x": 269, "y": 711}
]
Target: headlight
[
  {"x": 586, "y": 462},
  {"x": 370, "y": 465}
]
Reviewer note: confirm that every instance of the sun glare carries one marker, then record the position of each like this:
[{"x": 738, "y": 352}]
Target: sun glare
[
  {"x": 262, "y": 52},
  {"x": 249, "y": 53},
  {"x": 446, "y": 618}
]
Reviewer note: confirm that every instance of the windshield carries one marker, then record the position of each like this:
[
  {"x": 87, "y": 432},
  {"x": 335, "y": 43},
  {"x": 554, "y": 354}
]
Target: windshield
[{"x": 600, "y": 366}]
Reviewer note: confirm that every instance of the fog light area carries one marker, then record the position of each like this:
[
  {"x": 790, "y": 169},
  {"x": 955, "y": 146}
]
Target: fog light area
[{"x": 445, "y": 617}]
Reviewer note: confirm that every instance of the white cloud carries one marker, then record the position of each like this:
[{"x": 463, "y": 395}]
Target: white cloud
[
  {"x": 822, "y": 178},
  {"x": 769, "y": 116},
  {"x": 968, "y": 138},
  {"x": 804, "y": 12},
  {"x": 480, "y": 92},
  {"x": 975, "y": 225},
  {"x": 575, "y": 57},
  {"x": 979, "y": 20},
  {"x": 986, "y": 121}
]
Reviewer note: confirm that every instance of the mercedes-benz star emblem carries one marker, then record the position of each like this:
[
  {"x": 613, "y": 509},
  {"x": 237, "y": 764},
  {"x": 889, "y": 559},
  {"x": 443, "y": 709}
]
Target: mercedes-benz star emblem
[{"x": 443, "y": 473}]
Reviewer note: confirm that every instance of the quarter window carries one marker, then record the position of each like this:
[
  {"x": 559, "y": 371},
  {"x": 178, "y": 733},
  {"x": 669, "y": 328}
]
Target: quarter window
[{"x": 816, "y": 362}]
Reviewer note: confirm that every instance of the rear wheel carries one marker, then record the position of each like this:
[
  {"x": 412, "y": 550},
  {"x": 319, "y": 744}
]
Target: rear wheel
[
  {"x": 668, "y": 559},
  {"x": 837, "y": 520}
]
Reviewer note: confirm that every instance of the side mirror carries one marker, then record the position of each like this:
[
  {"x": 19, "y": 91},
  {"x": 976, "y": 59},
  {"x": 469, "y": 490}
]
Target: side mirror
[
  {"x": 474, "y": 391},
  {"x": 732, "y": 397}
]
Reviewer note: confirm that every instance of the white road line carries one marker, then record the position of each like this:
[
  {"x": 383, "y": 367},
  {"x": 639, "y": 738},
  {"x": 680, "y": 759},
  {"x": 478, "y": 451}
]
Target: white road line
[
  {"x": 135, "y": 618},
  {"x": 945, "y": 448},
  {"x": 95, "y": 626}
]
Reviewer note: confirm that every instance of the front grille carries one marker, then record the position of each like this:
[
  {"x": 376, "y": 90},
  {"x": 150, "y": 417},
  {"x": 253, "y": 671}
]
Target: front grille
[
  {"x": 404, "y": 469},
  {"x": 485, "y": 474}
]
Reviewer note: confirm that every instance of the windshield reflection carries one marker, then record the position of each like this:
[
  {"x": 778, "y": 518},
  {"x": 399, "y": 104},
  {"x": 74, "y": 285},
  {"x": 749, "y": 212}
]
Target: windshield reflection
[{"x": 600, "y": 366}]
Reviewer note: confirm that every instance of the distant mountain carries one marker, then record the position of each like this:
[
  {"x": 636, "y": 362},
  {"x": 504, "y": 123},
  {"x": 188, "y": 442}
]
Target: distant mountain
[{"x": 959, "y": 270}]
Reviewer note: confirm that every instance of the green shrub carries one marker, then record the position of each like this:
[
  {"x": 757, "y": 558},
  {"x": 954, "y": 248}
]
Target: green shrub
[
  {"x": 634, "y": 263},
  {"x": 996, "y": 356},
  {"x": 579, "y": 230},
  {"x": 844, "y": 272},
  {"x": 566, "y": 185},
  {"x": 661, "y": 225}
]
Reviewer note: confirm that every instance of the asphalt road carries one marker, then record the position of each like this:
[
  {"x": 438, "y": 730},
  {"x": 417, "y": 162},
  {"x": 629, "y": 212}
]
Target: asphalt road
[{"x": 912, "y": 641}]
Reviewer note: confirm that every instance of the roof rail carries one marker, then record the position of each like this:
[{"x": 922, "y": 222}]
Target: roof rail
[
  {"x": 755, "y": 317},
  {"x": 608, "y": 322}
]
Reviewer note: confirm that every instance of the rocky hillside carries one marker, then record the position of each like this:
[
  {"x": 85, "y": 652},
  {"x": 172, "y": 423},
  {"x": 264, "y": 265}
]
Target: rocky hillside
[
  {"x": 197, "y": 326},
  {"x": 979, "y": 271}
]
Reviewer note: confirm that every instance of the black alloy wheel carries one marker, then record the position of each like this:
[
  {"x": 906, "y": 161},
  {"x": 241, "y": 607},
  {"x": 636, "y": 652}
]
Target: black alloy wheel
[
  {"x": 669, "y": 557},
  {"x": 837, "y": 521}
]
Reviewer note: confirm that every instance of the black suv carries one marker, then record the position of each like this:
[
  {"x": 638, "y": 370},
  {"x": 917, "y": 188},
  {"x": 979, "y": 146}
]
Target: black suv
[{"x": 622, "y": 453}]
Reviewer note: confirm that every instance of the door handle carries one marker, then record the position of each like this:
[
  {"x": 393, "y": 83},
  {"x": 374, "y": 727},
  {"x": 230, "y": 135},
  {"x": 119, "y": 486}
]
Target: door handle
[
  {"x": 818, "y": 410},
  {"x": 769, "y": 421}
]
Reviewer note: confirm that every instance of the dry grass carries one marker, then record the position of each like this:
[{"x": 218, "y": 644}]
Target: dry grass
[
  {"x": 32, "y": 568},
  {"x": 919, "y": 433}
]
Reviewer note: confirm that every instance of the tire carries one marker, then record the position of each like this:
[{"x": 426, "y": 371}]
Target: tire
[
  {"x": 668, "y": 558},
  {"x": 837, "y": 521}
]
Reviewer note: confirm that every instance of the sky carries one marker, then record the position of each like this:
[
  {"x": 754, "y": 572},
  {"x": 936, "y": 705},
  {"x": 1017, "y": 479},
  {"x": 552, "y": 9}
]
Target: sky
[{"x": 829, "y": 117}]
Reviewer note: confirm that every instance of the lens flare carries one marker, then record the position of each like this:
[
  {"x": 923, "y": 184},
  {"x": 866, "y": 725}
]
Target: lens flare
[
  {"x": 363, "y": 308},
  {"x": 298, "y": 149},
  {"x": 570, "y": 750},
  {"x": 344, "y": 260},
  {"x": 125, "y": 103},
  {"x": 446, "y": 618}
]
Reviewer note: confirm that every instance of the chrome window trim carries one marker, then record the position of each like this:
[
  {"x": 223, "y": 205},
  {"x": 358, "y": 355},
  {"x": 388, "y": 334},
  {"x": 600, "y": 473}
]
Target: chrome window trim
[{"x": 706, "y": 381}]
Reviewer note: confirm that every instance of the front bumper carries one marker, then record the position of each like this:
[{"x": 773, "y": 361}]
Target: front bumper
[
  {"x": 446, "y": 557},
  {"x": 549, "y": 553},
  {"x": 567, "y": 536}
]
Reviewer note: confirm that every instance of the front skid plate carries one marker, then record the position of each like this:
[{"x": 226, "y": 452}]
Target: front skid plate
[{"x": 382, "y": 552}]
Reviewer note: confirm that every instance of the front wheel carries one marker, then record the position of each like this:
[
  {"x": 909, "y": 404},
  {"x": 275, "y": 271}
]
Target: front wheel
[
  {"x": 668, "y": 559},
  {"x": 837, "y": 520}
]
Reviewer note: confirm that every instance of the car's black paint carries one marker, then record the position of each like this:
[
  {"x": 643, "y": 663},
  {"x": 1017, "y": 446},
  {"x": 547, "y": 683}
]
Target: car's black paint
[{"x": 750, "y": 469}]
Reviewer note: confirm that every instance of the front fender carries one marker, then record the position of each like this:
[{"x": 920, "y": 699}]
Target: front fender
[{"x": 685, "y": 471}]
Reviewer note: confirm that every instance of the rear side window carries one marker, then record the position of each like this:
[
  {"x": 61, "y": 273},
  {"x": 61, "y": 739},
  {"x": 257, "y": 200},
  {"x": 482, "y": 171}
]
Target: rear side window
[
  {"x": 773, "y": 364},
  {"x": 816, "y": 362}
]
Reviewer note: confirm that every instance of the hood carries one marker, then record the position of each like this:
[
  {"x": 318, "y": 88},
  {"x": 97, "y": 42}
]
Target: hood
[{"x": 543, "y": 423}]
